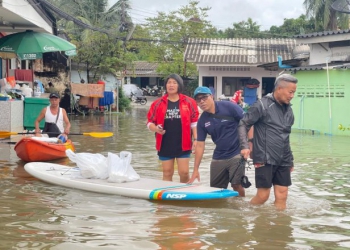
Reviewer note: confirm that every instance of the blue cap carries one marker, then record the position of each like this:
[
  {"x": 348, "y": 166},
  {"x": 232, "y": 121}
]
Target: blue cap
[{"x": 202, "y": 90}]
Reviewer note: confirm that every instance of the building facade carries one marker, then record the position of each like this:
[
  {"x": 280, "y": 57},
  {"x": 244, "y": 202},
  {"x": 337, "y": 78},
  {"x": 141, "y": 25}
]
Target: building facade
[
  {"x": 228, "y": 64},
  {"x": 323, "y": 91}
]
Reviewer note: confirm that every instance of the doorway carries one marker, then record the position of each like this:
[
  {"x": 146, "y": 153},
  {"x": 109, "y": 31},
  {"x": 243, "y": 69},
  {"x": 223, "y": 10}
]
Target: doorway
[{"x": 268, "y": 84}]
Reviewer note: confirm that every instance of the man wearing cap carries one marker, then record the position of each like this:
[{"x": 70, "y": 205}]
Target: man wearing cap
[
  {"x": 220, "y": 120},
  {"x": 56, "y": 119}
]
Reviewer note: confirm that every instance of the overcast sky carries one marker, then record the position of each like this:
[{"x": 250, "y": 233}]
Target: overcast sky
[{"x": 224, "y": 13}]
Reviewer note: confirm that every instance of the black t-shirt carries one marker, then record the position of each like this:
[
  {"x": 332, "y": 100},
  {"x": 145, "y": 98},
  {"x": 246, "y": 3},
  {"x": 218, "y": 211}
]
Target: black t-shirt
[{"x": 172, "y": 139}]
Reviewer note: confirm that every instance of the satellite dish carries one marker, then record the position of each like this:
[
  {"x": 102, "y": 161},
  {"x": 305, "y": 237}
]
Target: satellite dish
[{"x": 342, "y": 6}]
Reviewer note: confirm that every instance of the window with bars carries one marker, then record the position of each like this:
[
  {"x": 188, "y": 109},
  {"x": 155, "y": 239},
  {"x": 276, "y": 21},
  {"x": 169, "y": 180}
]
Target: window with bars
[{"x": 321, "y": 91}]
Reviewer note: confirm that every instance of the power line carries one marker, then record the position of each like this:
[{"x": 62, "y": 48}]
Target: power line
[{"x": 66, "y": 16}]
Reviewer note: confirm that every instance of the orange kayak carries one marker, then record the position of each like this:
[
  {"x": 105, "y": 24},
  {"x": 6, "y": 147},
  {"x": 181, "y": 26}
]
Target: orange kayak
[{"x": 31, "y": 149}]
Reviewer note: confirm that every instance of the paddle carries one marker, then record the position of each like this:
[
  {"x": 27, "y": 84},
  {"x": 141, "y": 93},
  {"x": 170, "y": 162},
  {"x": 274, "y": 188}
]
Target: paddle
[
  {"x": 8, "y": 142},
  {"x": 4, "y": 134}
]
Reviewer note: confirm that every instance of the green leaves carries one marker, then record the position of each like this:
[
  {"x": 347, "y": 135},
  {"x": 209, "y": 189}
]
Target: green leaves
[
  {"x": 169, "y": 33},
  {"x": 325, "y": 16}
]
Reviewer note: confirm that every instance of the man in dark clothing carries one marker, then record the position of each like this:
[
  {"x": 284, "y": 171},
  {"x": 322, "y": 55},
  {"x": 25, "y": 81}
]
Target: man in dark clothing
[
  {"x": 272, "y": 117},
  {"x": 220, "y": 120}
]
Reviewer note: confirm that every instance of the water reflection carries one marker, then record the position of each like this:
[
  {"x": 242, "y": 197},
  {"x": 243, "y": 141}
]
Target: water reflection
[
  {"x": 36, "y": 215},
  {"x": 177, "y": 232},
  {"x": 272, "y": 229}
]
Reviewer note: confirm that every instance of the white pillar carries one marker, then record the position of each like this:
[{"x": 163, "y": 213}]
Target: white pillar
[
  {"x": 259, "y": 90},
  {"x": 218, "y": 86}
]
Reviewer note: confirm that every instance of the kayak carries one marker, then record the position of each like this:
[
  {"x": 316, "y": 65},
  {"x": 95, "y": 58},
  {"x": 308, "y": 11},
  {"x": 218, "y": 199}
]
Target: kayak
[{"x": 32, "y": 149}]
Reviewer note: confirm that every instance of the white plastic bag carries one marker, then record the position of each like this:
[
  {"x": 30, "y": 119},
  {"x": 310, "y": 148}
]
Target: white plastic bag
[
  {"x": 120, "y": 169},
  {"x": 92, "y": 166}
]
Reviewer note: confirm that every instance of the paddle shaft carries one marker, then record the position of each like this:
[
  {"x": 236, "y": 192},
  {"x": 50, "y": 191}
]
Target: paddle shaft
[
  {"x": 8, "y": 142},
  {"x": 4, "y": 134}
]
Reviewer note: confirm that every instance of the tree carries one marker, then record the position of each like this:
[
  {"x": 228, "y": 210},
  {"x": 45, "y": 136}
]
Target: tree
[
  {"x": 244, "y": 29},
  {"x": 292, "y": 27},
  {"x": 170, "y": 34},
  {"x": 323, "y": 14},
  {"x": 100, "y": 52}
]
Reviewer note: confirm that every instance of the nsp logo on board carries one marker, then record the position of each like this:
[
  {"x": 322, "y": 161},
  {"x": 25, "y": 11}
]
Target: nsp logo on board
[{"x": 175, "y": 196}]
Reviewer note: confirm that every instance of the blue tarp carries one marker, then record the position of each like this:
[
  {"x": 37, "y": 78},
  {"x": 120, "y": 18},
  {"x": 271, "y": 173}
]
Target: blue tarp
[
  {"x": 107, "y": 99},
  {"x": 249, "y": 96}
]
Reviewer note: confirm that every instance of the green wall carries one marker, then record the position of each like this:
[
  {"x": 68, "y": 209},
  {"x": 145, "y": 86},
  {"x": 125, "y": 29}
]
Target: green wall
[{"x": 311, "y": 101}]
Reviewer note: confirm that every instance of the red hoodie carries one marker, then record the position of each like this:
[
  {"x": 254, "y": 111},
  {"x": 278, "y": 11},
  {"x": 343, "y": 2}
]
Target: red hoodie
[{"x": 189, "y": 117}]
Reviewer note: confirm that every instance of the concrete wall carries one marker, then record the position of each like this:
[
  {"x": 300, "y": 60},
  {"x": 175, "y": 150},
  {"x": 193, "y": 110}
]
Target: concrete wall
[
  {"x": 11, "y": 116},
  {"x": 314, "y": 110}
]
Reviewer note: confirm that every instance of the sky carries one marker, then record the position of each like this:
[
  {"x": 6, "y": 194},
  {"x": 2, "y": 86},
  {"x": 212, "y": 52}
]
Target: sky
[{"x": 224, "y": 13}]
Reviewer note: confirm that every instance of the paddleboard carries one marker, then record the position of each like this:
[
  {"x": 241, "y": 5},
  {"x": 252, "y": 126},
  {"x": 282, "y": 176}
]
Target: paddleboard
[{"x": 144, "y": 188}]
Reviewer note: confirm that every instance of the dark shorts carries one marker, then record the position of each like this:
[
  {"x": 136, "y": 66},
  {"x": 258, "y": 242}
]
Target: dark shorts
[
  {"x": 269, "y": 175},
  {"x": 224, "y": 171},
  {"x": 165, "y": 158}
]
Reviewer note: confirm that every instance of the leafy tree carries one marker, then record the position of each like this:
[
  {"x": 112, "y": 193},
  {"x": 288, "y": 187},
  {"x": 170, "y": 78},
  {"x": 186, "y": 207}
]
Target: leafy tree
[
  {"x": 170, "y": 34},
  {"x": 292, "y": 27},
  {"x": 100, "y": 52},
  {"x": 323, "y": 13},
  {"x": 244, "y": 29},
  {"x": 140, "y": 46},
  {"x": 123, "y": 101}
]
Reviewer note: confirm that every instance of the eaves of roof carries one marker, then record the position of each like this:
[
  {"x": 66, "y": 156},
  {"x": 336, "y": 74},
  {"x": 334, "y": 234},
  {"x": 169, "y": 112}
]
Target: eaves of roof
[
  {"x": 321, "y": 67},
  {"x": 142, "y": 68},
  {"x": 292, "y": 62}
]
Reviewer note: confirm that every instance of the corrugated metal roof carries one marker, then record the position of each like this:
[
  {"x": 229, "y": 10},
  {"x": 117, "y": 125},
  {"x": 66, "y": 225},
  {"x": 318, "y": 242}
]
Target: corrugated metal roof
[
  {"x": 323, "y": 33},
  {"x": 252, "y": 51},
  {"x": 142, "y": 68}
]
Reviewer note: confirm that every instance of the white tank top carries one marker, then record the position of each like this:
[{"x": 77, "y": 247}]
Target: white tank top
[{"x": 49, "y": 117}]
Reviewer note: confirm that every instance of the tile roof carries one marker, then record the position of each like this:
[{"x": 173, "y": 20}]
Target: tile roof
[
  {"x": 142, "y": 68},
  {"x": 230, "y": 51},
  {"x": 323, "y": 33}
]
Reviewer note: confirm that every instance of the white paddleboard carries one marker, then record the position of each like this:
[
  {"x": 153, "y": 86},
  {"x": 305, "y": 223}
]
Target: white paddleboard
[{"x": 144, "y": 188}]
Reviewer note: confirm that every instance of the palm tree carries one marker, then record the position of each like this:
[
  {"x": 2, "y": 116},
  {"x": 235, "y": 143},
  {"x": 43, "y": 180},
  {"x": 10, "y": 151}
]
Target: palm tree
[
  {"x": 323, "y": 13},
  {"x": 100, "y": 52}
]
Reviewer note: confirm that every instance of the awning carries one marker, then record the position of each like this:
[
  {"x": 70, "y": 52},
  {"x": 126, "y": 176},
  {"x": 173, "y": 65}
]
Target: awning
[{"x": 291, "y": 62}]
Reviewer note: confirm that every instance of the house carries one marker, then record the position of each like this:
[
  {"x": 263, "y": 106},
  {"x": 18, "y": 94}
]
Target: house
[
  {"x": 229, "y": 64},
  {"x": 323, "y": 91},
  {"x": 143, "y": 74}
]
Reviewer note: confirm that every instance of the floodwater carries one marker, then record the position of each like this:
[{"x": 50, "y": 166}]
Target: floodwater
[{"x": 36, "y": 215}]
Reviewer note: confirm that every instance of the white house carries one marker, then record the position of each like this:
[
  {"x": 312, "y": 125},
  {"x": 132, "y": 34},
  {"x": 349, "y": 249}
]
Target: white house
[{"x": 228, "y": 64}]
